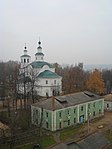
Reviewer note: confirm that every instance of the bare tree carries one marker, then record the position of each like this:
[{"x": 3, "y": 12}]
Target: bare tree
[
  {"x": 107, "y": 76},
  {"x": 8, "y": 79},
  {"x": 34, "y": 85},
  {"x": 73, "y": 78}
]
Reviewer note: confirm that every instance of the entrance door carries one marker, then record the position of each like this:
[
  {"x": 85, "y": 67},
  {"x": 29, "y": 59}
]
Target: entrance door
[{"x": 81, "y": 118}]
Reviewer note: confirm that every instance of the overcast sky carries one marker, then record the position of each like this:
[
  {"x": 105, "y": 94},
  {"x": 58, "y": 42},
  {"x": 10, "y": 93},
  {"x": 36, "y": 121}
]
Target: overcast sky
[{"x": 71, "y": 31}]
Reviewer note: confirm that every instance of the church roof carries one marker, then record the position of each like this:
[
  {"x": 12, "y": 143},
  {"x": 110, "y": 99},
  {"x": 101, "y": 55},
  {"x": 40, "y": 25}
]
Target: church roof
[
  {"x": 40, "y": 64},
  {"x": 48, "y": 74},
  {"x": 25, "y": 55},
  {"x": 39, "y": 53}
]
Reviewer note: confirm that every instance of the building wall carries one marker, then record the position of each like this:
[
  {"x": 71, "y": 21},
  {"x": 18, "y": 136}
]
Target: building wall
[
  {"x": 46, "y": 86},
  {"x": 108, "y": 105},
  {"x": 39, "y": 115},
  {"x": 65, "y": 117},
  {"x": 42, "y": 88},
  {"x": 79, "y": 114},
  {"x": 70, "y": 116}
]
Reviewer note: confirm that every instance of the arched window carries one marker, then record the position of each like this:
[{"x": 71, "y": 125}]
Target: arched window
[
  {"x": 24, "y": 60},
  {"x": 27, "y": 60}
]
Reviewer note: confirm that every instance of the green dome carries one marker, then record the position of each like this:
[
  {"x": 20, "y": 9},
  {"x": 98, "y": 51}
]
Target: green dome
[
  {"x": 40, "y": 64},
  {"x": 48, "y": 74}
]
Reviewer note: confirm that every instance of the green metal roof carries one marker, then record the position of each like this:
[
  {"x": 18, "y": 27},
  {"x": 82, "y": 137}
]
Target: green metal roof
[
  {"x": 48, "y": 74},
  {"x": 40, "y": 64},
  {"x": 39, "y": 53}
]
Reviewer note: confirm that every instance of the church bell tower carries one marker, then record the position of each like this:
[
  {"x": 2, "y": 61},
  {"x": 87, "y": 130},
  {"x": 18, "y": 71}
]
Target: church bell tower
[{"x": 25, "y": 58}]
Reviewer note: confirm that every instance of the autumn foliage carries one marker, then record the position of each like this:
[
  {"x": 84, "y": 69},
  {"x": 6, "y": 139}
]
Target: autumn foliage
[{"x": 95, "y": 82}]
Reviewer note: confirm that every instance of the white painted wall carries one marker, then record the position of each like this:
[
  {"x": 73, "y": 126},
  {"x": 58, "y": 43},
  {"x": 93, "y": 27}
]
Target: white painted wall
[
  {"x": 40, "y": 83},
  {"x": 44, "y": 88}
]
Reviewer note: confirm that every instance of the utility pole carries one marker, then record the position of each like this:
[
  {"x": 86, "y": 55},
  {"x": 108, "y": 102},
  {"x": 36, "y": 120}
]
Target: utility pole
[
  {"x": 88, "y": 123},
  {"x": 41, "y": 122}
]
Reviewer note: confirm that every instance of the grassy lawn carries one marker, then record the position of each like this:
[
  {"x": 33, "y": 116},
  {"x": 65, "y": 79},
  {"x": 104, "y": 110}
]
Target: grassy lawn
[
  {"x": 70, "y": 132},
  {"x": 44, "y": 141},
  {"x": 26, "y": 146},
  {"x": 4, "y": 147}
]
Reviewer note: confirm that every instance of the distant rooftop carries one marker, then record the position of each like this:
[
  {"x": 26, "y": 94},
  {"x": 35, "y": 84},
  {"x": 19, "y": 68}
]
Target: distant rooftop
[
  {"x": 90, "y": 67},
  {"x": 108, "y": 97}
]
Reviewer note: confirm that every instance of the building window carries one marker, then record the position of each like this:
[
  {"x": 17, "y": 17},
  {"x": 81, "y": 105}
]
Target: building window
[
  {"x": 54, "y": 81},
  {"x": 81, "y": 108},
  {"x": 46, "y": 114},
  {"x": 34, "y": 117},
  {"x": 60, "y": 125},
  {"x": 99, "y": 111},
  {"x": 68, "y": 122},
  {"x": 74, "y": 110},
  {"x": 47, "y": 125},
  {"x": 107, "y": 105},
  {"x": 94, "y": 104},
  {"x": 36, "y": 112},
  {"x": 74, "y": 120},
  {"x": 27, "y": 60},
  {"x": 94, "y": 113},
  {"x": 68, "y": 112},
  {"x": 41, "y": 58},
  {"x": 24, "y": 60},
  {"x": 89, "y": 106},
  {"x": 47, "y": 95},
  {"x": 36, "y": 121},
  {"x": 60, "y": 114},
  {"x": 46, "y": 81}
]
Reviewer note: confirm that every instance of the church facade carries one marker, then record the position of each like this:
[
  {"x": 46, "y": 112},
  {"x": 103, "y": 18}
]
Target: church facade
[{"x": 38, "y": 76}]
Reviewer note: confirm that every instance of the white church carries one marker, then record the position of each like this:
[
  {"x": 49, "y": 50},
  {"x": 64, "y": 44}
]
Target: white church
[{"x": 39, "y": 75}]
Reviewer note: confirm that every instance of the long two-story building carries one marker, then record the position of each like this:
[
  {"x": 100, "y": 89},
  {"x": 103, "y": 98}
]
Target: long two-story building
[{"x": 64, "y": 111}]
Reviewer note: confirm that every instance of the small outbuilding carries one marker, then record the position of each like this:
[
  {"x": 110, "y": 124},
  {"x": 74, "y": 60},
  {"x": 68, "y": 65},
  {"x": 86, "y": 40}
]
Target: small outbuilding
[{"x": 108, "y": 102}]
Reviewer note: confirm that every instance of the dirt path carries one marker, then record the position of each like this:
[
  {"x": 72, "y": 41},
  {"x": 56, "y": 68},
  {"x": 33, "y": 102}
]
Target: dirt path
[{"x": 103, "y": 123}]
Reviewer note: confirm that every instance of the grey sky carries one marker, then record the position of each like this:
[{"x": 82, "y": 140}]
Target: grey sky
[{"x": 71, "y": 31}]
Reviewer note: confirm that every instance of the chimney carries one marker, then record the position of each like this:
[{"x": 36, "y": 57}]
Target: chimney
[{"x": 53, "y": 103}]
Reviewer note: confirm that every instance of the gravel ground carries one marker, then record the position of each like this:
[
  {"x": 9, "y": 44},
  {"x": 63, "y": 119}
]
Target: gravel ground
[{"x": 103, "y": 123}]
